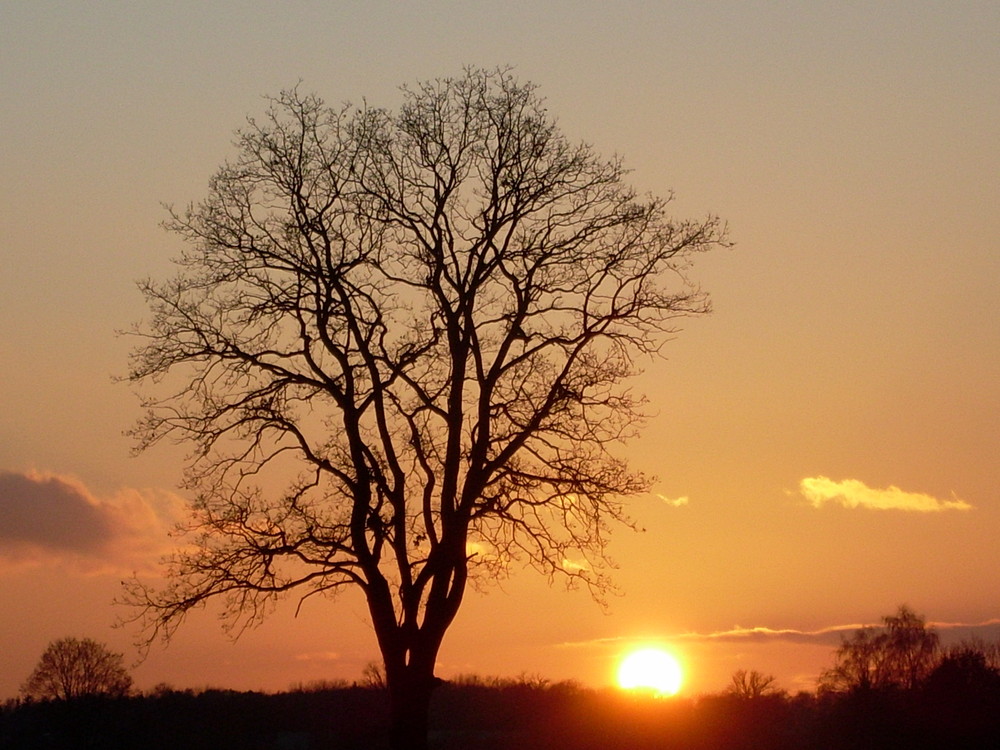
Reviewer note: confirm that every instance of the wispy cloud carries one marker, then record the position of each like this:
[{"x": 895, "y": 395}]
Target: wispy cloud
[
  {"x": 676, "y": 502},
  {"x": 853, "y": 493},
  {"x": 736, "y": 634},
  {"x": 50, "y": 519},
  {"x": 950, "y": 630},
  {"x": 760, "y": 634},
  {"x": 318, "y": 656},
  {"x": 829, "y": 636}
]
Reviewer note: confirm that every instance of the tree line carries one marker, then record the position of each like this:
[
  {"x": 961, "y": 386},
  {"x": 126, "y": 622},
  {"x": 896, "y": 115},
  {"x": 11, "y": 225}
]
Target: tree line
[{"x": 890, "y": 686}]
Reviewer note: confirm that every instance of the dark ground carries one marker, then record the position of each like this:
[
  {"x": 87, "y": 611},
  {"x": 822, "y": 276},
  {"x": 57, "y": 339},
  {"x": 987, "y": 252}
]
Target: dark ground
[{"x": 517, "y": 715}]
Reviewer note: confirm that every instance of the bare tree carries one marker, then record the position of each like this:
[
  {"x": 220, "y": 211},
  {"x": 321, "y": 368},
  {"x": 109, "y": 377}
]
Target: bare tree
[
  {"x": 911, "y": 648},
  {"x": 425, "y": 319},
  {"x": 858, "y": 663},
  {"x": 752, "y": 684},
  {"x": 977, "y": 646},
  {"x": 901, "y": 654},
  {"x": 373, "y": 676},
  {"x": 71, "y": 668}
]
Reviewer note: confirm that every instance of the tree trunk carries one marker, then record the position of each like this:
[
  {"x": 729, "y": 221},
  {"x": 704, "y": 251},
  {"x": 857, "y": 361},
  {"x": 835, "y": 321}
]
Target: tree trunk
[
  {"x": 409, "y": 652},
  {"x": 409, "y": 711}
]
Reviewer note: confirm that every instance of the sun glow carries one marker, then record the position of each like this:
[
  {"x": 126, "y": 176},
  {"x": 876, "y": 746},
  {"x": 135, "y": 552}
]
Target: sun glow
[{"x": 651, "y": 670}]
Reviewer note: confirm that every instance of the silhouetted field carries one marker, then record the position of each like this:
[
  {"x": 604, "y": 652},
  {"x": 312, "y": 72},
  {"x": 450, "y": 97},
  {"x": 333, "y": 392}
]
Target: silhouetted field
[{"x": 521, "y": 715}]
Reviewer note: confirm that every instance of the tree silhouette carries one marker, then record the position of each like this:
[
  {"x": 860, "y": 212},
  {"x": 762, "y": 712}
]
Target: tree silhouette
[
  {"x": 373, "y": 676},
  {"x": 398, "y": 343},
  {"x": 901, "y": 654},
  {"x": 964, "y": 671},
  {"x": 752, "y": 684},
  {"x": 71, "y": 668}
]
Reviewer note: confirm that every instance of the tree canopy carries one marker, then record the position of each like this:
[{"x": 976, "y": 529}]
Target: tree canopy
[
  {"x": 72, "y": 668},
  {"x": 399, "y": 345},
  {"x": 899, "y": 655}
]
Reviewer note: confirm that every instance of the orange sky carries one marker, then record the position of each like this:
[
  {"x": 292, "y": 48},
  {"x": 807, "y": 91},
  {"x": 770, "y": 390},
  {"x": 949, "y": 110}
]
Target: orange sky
[{"x": 827, "y": 441}]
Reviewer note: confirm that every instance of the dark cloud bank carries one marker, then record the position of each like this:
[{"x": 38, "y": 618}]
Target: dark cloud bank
[
  {"x": 46, "y": 518},
  {"x": 51, "y": 513}
]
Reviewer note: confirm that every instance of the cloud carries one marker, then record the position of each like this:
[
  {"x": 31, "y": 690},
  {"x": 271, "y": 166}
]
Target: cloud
[
  {"x": 953, "y": 632},
  {"x": 674, "y": 502},
  {"x": 852, "y": 493},
  {"x": 739, "y": 634},
  {"x": 950, "y": 632},
  {"x": 574, "y": 566},
  {"x": 53, "y": 513},
  {"x": 759, "y": 634},
  {"x": 318, "y": 656},
  {"x": 50, "y": 519}
]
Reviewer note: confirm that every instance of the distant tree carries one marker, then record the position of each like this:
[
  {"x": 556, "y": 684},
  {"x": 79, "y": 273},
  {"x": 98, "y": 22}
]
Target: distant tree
[
  {"x": 858, "y": 661},
  {"x": 964, "y": 671},
  {"x": 373, "y": 676},
  {"x": 912, "y": 648},
  {"x": 399, "y": 345},
  {"x": 900, "y": 654},
  {"x": 71, "y": 668},
  {"x": 962, "y": 697},
  {"x": 977, "y": 647},
  {"x": 752, "y": 684},
  {"x": 160, "y": 690}
]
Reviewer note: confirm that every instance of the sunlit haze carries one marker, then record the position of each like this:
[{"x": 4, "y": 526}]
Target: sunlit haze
[{"x": 825, "y": 443}]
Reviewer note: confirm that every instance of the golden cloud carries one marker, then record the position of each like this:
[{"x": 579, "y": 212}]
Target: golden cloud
[
  {"x": 675, "y": 502},
  {"x": 574, "y": 566},
  {"x": 853, "y": 493}
]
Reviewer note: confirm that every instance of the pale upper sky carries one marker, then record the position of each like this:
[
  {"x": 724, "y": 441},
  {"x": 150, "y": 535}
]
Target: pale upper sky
[{"x": 827, "y": 442}]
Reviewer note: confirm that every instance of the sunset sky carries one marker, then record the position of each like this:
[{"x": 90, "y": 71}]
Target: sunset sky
[{"x": 827, "y": 442}]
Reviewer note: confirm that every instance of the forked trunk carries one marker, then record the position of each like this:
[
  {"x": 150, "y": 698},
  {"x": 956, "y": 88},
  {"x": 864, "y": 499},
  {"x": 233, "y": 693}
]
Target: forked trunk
[{"x": 409, "y": 652}]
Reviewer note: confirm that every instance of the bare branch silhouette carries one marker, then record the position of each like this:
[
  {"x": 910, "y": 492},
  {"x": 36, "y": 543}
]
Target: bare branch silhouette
[{"x": 426, "y": 319}]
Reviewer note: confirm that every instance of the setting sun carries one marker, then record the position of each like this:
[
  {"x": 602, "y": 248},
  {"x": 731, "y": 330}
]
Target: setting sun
[{"x": 650, "y": 669}]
